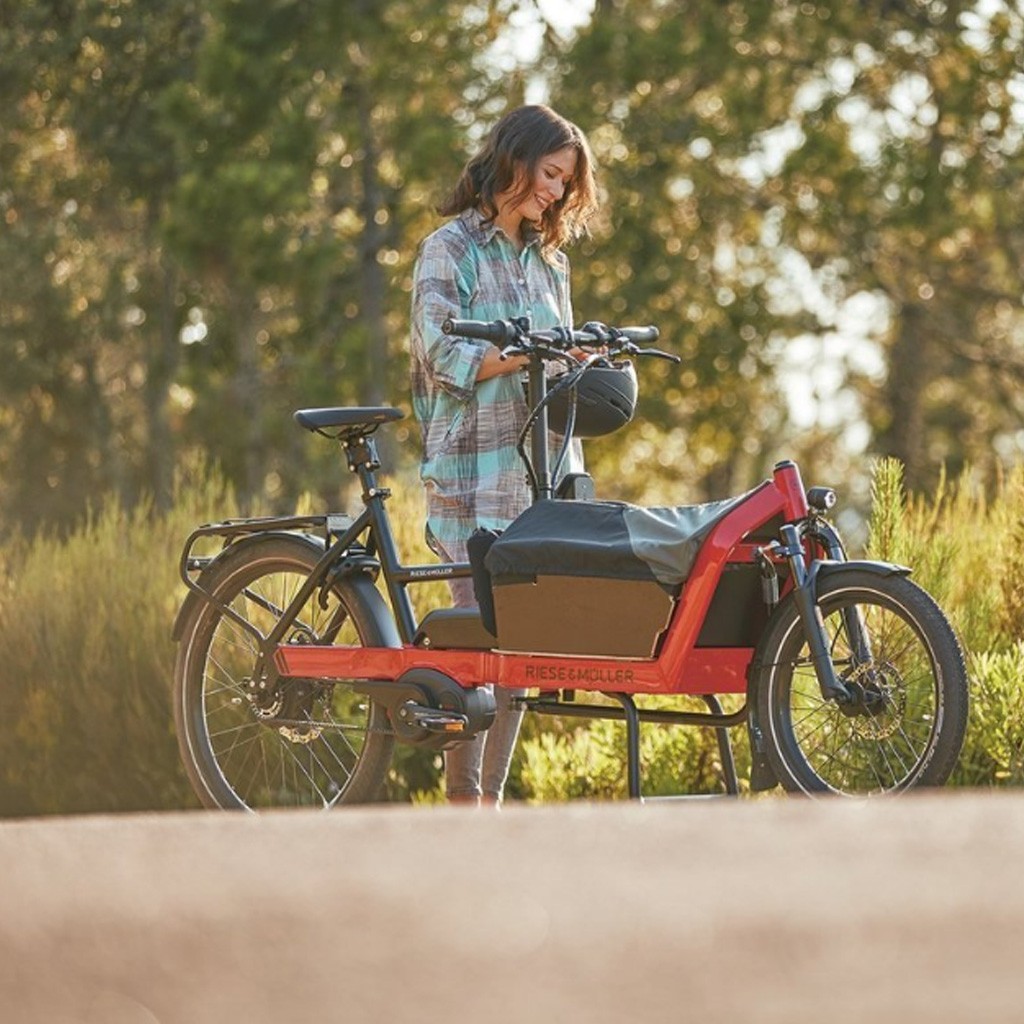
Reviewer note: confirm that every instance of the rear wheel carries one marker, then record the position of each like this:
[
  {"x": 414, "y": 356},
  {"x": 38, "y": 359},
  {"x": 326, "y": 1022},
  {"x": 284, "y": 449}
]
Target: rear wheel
[
  {"x": 312, "y": 743},
  {"x": 906, "y": 722}
]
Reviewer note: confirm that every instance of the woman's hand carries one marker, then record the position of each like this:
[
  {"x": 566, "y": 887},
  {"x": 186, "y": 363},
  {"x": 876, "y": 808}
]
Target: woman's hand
[
  {"x": 494, "y": 366},
  {"x": 584, "y": 353}
]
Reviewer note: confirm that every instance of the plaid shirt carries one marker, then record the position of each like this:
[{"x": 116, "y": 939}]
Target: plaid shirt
[{"x": 471, "y": 471}]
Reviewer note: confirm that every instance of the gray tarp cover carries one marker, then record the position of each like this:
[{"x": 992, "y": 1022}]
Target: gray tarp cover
[{"x": 604, "y": 538}]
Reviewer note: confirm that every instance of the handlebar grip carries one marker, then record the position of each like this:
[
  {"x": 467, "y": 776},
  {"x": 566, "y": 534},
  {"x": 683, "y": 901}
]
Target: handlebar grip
[
  {"x": 498, "y": 332},
  {"x": 640, "y": 335}
]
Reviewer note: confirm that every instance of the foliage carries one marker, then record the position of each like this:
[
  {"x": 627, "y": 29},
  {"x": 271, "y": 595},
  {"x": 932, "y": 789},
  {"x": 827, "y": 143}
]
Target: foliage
[
  {"x": 85, "y": 640},
  {"x": 814, "y": 172},
  {"x": 994, "y": 750},
  {"x": 682, "y": 241},
  {"x": 210, "y": 214},
  {"x": 965, "y": 551}
]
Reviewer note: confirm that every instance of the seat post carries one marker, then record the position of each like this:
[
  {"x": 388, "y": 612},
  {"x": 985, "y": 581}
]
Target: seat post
[{"x": 361, "y": 453}]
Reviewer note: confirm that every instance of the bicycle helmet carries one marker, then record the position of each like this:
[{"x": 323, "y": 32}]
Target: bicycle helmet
[{"x": 605, "y": 400}]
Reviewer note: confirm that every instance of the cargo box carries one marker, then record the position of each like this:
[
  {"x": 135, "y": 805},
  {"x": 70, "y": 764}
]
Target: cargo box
[{"x": 596, "y": 578}]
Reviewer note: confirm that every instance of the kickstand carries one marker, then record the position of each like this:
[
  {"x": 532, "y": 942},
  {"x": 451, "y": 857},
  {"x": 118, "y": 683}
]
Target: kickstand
[
  {"x": 632, "y": 716},
  {"x": 732, "y": 786},
  {"x": 632, "y": 742}
]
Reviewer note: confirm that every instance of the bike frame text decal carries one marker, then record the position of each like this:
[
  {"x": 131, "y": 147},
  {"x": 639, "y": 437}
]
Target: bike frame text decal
[{"x": 575, "y": 674}]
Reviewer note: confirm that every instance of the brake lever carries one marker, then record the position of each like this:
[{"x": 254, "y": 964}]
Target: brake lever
[
  {"x": 522, "y": 345},
  {"x": 671, "y": 357},
  {"x": 558, "y": 355},
  {"x": 527, "y": 347}
]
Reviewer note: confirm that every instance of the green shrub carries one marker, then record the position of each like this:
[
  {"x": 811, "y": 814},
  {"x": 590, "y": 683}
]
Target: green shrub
[
  {"x": 1008, "y": 559},
  {"x": 85, "y": 642},
  {"x": 85, "y": 638},
  {"x": 967, "y": 551},
  {"x": 85, "y": 628},
  {"x": 993, "y": 753}
]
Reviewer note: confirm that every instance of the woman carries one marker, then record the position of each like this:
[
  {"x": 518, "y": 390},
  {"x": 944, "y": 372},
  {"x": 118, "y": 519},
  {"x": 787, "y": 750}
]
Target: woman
[{"x": 527, "y": 192}]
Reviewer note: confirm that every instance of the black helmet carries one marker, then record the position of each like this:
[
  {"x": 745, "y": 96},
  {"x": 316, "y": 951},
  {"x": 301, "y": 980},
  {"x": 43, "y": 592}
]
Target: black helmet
[{"x": 605, "y": 400}]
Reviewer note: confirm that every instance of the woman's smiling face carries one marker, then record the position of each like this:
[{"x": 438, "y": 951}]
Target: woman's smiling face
[{"x": 552, "y": 177}]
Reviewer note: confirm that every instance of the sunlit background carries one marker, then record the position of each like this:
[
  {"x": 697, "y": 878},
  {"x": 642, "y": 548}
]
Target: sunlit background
[{"x": 211, "y": 213}]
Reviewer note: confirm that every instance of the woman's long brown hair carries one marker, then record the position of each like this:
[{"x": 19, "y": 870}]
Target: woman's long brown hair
[{"x": 522, "y": 138}]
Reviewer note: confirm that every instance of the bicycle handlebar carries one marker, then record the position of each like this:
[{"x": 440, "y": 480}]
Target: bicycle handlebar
[
  {"x": 514, "y": 337},
  {"x": 634, "y": 335},
  {"x": 508, "y": 332}
]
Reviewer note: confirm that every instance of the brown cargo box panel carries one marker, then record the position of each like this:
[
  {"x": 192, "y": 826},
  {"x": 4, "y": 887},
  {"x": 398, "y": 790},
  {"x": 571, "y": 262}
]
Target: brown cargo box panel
[{"x": 582, "y": 615}]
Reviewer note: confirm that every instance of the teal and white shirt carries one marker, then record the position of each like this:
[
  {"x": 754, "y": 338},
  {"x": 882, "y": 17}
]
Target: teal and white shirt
[{"x": 471, "y": 270}]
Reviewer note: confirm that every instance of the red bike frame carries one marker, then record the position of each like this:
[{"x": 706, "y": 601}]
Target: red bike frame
[{"x": 681, "y": 667}]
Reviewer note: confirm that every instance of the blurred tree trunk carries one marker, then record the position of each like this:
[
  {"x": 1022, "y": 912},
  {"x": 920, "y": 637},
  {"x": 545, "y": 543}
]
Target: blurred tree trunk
[
  {"x": 247, "y": 414},
  {"x": 373, "y": 284},
  {"x": 910, "y": 370},
  {"x": 163, "y": 351}
]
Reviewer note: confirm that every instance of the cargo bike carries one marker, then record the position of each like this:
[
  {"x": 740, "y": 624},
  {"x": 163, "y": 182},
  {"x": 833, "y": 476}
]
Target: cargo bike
[{"x": 295, "y": 677}]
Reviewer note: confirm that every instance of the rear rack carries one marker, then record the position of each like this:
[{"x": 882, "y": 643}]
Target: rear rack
[
  {"x": 191, "y": 566},
  {"x": 232, "y": 529}
]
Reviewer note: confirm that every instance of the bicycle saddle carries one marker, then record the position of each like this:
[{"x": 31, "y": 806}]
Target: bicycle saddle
[{"x": 348, "y": 420}]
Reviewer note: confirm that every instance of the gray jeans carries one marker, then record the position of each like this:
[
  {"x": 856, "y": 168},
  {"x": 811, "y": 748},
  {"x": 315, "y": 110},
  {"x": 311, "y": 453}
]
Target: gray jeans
[{"x": 479, "y": 767}]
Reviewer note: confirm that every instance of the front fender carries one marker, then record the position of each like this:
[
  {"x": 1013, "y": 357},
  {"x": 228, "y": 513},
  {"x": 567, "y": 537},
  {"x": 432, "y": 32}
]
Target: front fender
[
  {"x": 195, "y": 599},
  {"x": 822, "y": 568}
]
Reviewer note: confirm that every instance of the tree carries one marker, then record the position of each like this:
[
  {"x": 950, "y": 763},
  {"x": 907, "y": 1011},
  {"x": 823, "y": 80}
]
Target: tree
[
  {"x": 909, "y": 165},
  {"x": 319, "y": 135},
  {"x": 89, "y": 319},
  {"x": 671, "y": 113},
  {"x": 880, "y": 143},
  {"x": 250, "y": 178}
]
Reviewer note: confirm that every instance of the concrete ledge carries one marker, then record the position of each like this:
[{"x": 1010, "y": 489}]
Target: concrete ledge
[{"x": 773, "y": 910}]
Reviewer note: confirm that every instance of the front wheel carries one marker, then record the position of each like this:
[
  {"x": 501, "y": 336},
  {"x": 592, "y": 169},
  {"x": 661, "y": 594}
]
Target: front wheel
[
  {"x": 905, "y": 723},
  {"x": 312, "y": 743}
]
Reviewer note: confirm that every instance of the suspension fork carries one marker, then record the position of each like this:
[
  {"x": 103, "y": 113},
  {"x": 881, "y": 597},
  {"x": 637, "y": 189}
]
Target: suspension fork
[
  {"x": 853, "y": 619},
  {"x": 791, "y": 548}
]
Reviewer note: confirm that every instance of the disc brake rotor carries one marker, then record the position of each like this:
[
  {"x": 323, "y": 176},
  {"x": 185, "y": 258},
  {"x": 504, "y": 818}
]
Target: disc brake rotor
[{"x": 881, "y": 699}]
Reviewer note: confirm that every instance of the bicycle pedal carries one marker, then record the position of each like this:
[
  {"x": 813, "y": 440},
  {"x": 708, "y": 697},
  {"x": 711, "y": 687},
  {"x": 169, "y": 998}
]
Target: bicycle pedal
[{"x": 432, "y": 719}]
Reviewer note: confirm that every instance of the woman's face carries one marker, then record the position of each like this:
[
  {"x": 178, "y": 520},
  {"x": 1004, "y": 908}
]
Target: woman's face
[{"x": 554, "y": 173}]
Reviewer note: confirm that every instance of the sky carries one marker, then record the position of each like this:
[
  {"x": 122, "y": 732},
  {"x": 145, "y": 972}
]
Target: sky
[{"x": 525, "y": 31}]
